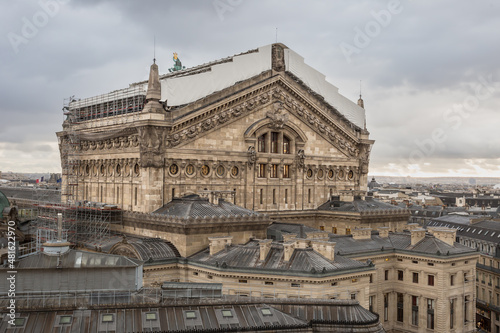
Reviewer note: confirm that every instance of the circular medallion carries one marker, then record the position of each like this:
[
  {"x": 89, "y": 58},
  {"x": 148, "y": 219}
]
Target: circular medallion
[
  {"x": 118, "y": 169},
  {"x": 340, "y": 174},
  {"x": 110, "y": 170},
  {"x": 137, "y": 169},
  {"x": 87, "y": 169},
  {"x": 330, "y": 174},
  {"x": 127, "y": 169},
  {"x": 173, "y": 169},
  {"x": 190, "y": 170},
  {"x": 94, "y": 170},
  {"x": 205, "y": 170},
  {"x": 320, "y": 174},
  {"x": 309, "y": 173},
  {"x": 220, "y": 170},
  {"x": 234, "y": 171},
  {"x": 102, "y": 169},
  {"x": 350, "y": 175}
]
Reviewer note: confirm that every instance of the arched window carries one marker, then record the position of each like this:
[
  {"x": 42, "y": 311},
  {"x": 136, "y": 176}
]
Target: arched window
[{"x": 274, "y": 142}]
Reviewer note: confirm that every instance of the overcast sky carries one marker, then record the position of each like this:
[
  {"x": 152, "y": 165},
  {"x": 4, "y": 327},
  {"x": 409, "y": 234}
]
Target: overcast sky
[{"x": 429, "y": 69}]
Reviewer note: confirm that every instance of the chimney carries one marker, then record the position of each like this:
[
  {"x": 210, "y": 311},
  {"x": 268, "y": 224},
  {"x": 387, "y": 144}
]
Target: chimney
[
  {"x": 413, "y": 226},
  {"x": 264, "y": 247},
  {"x": 219, "y": 243},
  {"x": 447, "y": 235},
  {"x": 288, "y": 249},
  {"x": 317, "y": 235},
  {"x": 362, "y": 233},
  {"x": 383, "y": 232},
  {"x": 417, "y": 235},
  {"x": 326, "y": 249},
  {"x": 289, "y": 237}
]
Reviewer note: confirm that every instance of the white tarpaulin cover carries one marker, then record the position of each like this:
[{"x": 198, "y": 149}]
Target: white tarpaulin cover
[
  {"x": 187, "y": 89},
  {"x": 294, "y": 63}
]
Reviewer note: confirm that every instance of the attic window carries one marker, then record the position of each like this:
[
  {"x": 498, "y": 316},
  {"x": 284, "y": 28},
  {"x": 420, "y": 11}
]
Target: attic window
[
  {"x": 64, "y": 320},
  {"x": 19, "y": 321},
  {"x": 151, "y": 316},
  {"x": 479, "y": 232},
  {"x": 107, "y": 318},
  {"x": 492, "y": 234},
  {"x": 486, "y": 233},
  {"x": 190, "y": 314},
  {"x": 468, "y": 229},
  {"x": 473, "y": 231},
  {"x": 227, "y": 314},
  {"x": 266, "y": 312}
]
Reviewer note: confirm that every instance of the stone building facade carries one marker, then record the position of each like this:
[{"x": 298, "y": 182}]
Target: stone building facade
[{"x": 266, "y": 126}]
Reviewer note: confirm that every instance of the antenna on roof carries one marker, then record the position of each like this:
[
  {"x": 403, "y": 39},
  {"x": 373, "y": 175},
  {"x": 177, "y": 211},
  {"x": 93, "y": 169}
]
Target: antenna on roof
[
  {"x": 276, "y": 34},
  {"x": 154, "y": 49},
  {"x": 359, "y": 88}
]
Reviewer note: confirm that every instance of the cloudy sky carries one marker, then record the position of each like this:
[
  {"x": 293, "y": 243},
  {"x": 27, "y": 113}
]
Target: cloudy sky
[{"x": 429, "y": 69}]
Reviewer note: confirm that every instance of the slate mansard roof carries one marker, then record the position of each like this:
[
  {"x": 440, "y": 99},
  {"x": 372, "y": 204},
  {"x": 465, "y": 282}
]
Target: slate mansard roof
[
  {"x": 486, "y": 230},
  {"x": 193, "y": 206},
  {"x": 429, "y": 245},
  {"x": 302, "y": 260},
  {"x": 360, "y": 205}
]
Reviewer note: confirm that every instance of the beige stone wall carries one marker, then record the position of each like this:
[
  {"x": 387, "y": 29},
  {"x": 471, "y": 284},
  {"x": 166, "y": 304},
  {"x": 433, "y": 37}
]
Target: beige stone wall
[{"x": 265, "y": 285}]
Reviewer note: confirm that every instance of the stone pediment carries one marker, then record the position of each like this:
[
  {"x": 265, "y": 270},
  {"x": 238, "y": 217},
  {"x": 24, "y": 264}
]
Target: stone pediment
[{"x": 293, "y": 100}]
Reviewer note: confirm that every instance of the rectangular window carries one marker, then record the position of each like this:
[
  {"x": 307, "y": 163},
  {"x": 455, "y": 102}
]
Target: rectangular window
[
  {"x": 430, "y": 280},
  {"x": 242, "y": 281},
  {"x": 261, "y": 196},
  {"x": 452, "y": 313},
  {"x": 295, "y": 285},
  {"x": 400, "y": 305},
  {"x": 386, "y": 307},
  {"x": 274, "y": 170},
  {"x": 274, "y": 142},
  {"x": 274, "y": 196},
  {"x": 466, "y": 301},
  {"x": 309, "y": 195},
  {"x": 286, "y": 171},
  {"x": 386, "y": 275},
  {"x": 430, "y": 313},
  {"x": 400, "y": 275},
  {"x": 353, "y": 296},
  {"x": 286, "y": 145},
  {"x": 414, "y": 310},
  {"x": 452, "y": 280},
  {"x": 262, "y": 170},
  {"x": 348, "y": 231},
  {"x": 286, "y": 195},
  {"x": 261, "y": 147},
  {"x": 371, "y": 302},
  {"x": 135, "y": 196},
  {"x": 334, "y": 230},
  {"x": 415, "y": 277}
]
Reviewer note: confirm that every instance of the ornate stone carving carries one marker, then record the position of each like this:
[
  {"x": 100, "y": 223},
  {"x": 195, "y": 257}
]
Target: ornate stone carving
[
  {"x": 278, "y": 116},
  {"x": 301, "y": 158},
  {"x": 252, "y": 155},
  {"x": 151, "y": 152},
  {"x": 278, "y": 58},
  {"x": 364, "y": 155}
]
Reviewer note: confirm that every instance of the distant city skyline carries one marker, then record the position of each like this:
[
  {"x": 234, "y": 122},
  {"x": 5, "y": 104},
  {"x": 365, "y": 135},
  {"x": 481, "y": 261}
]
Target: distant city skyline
[{"x": 429, "y": 71}]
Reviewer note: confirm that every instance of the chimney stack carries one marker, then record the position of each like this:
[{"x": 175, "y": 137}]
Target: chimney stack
[
  {"x": 264, "y": 247},
  {"x": 326, "y": 249},
  {"x": 362, "y": 233},
  {"x": 417, "y": 235},
  {"x": 219, "y": 243},
  {"x": 288, "y": 249},
  {"x": 447, "y": 235}
]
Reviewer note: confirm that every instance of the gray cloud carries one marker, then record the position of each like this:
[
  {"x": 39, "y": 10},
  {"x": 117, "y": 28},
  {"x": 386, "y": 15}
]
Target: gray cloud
[{"x": 416, "y": 68}]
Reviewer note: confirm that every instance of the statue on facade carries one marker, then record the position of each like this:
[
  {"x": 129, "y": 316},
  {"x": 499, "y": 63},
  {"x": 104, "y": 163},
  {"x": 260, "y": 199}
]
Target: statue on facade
[{"x": 177, "y": 64}]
